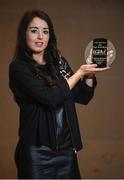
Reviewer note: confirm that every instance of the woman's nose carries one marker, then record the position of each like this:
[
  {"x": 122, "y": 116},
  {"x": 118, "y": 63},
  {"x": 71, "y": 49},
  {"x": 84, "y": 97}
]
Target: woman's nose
[{"x": 40, "y": 35}]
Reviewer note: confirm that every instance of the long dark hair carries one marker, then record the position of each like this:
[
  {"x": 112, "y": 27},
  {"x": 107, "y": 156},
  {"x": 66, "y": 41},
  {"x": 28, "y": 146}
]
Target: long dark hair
[{"x": 51, "y": 53}]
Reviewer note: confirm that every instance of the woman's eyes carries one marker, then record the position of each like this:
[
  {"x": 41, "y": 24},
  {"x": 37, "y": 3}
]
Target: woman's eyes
[
  {"x": 36, "y": 30},
  {"x": 46, "y": 32}
]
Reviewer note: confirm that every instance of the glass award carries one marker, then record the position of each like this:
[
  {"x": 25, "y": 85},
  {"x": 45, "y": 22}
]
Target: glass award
[{"x": 100, "y": 51}]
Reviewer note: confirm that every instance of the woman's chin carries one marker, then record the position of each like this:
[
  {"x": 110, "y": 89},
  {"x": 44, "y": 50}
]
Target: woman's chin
[{"x": 38, "y": 51}]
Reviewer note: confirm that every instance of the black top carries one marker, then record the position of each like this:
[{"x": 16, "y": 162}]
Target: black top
[
  {"x": 62, "y": 131},
  {"x": 38, "y": 102}
]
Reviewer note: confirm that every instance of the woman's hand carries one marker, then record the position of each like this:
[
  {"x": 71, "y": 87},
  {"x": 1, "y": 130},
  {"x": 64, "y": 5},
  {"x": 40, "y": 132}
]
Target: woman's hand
[
  {"x": 84, "y": 70},
  {"x": 89, "y": 58},
  {"x": 88, "y": 69},
  {"x": 110, "y": 54},
  {"x": 89, "y": 77}
]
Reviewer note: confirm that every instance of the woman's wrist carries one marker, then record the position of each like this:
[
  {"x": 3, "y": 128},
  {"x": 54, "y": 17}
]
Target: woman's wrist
[
  {"x": 72, "y": 81},
  {"x": 79, "y": 74}
]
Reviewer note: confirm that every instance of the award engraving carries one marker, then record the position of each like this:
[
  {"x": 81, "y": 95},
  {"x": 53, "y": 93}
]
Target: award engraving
[{"x": 100, "y": 51}]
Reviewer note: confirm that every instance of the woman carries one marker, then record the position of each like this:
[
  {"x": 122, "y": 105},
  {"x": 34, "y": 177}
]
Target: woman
[{"x": 45, "y": 88}]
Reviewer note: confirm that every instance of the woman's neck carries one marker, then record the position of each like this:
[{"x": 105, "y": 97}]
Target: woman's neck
[{"x": 39, "y": 58}]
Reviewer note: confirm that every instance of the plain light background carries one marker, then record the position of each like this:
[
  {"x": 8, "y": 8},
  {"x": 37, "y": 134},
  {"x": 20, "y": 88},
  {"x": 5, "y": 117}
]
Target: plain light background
[{"x": 76, "y": 22}]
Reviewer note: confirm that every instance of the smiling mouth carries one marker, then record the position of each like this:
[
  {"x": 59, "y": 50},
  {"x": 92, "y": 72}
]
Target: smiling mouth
[{"x": 39, "y": 44}]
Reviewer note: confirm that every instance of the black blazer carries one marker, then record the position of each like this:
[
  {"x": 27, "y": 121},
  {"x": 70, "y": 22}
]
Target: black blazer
[{"x": 37, "y": 102}]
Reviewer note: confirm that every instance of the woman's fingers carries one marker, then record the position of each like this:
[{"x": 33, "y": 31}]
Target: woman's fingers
[
  {"x": 110, "y": 54},
  {"x": 99, "y": 69},
  {"x": 89, "y": 59},
  {"x": 94, "y": 68},
  {"x": 91, "y": 68}
]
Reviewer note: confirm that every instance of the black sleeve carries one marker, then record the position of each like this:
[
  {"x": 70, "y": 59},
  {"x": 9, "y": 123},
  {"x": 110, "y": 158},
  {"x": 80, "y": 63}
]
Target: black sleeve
[
  {"x": 82, "y": 93},
  {"x": 23, "y": 80}
]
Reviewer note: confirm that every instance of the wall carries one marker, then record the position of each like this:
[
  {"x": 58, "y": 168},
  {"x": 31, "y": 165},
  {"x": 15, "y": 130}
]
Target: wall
[{"x": 101, "y": 122}]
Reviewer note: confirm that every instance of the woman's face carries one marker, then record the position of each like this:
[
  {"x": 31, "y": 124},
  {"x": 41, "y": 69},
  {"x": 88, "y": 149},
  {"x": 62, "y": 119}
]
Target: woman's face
[{"x": 37, "y": 35}]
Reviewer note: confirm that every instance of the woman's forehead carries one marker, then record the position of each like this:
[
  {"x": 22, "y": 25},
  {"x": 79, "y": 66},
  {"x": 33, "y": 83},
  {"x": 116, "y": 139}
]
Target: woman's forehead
[{"x": 38, "y": 22}]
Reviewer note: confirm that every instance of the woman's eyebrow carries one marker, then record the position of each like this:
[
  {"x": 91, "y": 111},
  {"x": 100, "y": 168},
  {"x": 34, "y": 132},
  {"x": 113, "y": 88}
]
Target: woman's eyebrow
[
  {"x": 45, "y": 28},
  {"x": 34, "y": 27}
]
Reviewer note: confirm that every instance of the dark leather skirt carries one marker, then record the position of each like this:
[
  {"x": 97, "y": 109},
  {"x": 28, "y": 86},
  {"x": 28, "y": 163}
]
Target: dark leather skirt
[{"x": 40, "y": 162}]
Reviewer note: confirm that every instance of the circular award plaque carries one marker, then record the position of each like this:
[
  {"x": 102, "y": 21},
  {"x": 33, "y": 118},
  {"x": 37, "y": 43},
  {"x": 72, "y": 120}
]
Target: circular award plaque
[{"x": 100, "y": 51}]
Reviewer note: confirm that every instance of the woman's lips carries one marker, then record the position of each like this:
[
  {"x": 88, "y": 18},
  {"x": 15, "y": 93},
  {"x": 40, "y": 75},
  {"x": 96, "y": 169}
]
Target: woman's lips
[{"x": 39, "y": 44}]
